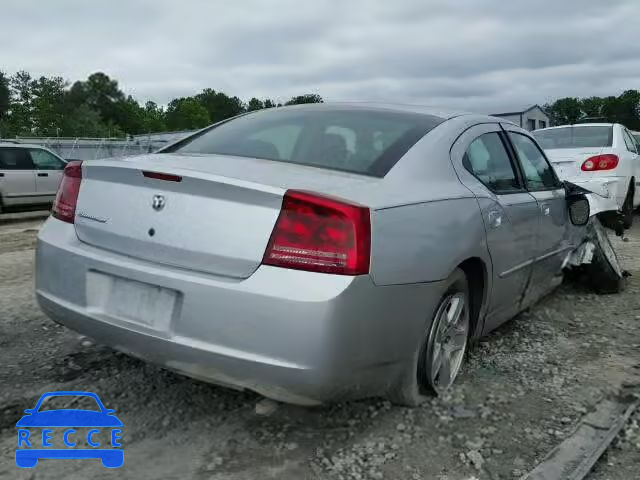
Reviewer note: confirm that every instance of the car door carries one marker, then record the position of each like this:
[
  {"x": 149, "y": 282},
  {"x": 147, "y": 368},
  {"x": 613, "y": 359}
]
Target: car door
[
  {"x": 49, "y": 169},
  {"x": 509, "y": 212},
  {"x": 17, "y": 176},
  {"x": 554, "y": 230}
]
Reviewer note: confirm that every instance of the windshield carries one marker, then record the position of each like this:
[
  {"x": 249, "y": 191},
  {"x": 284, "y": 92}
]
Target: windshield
[
  {"x": 366, "y": 141},
  {"x": 575, "y": 137}
]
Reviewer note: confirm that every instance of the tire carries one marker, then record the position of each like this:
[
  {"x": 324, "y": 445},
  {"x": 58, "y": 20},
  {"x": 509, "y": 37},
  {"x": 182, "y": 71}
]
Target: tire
[
  {"x": 627, "y": 208},
  {"x": 420, "y": 380},
  {"x": 604, "y": 272}
]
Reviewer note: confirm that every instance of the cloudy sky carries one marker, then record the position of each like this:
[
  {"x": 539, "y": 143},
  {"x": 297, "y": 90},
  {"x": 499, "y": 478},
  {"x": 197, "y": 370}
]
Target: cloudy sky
[{"x": 482, "y": 55}]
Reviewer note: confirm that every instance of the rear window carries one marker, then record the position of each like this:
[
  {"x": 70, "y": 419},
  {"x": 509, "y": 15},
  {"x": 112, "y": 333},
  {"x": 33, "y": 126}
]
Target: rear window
[
  {"x": 365, "y": 141},
  {"x": 575, "y": 137}
]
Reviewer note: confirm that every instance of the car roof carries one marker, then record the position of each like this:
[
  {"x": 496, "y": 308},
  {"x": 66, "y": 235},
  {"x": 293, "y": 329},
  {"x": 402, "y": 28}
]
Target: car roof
[
  {"x": 4, "y": 144},
  {"x": 443, "y": 113}
]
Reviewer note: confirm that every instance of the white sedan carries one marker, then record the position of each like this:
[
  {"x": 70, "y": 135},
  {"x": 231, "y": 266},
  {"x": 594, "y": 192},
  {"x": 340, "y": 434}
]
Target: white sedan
[{"x": 603, "y": 154}]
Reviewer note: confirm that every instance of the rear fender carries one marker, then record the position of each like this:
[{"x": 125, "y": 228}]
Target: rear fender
[{"x": 425, "y": 242}]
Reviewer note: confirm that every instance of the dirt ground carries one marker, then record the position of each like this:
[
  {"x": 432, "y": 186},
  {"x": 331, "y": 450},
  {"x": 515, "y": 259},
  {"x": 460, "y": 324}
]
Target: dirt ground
[{"x": 522, "y": 391}]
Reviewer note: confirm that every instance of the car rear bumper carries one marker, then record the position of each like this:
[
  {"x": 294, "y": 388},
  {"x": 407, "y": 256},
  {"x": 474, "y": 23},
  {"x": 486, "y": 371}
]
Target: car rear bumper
[
  {"x": 294, "y": 336},
  {"x": 612, "y": 190}
]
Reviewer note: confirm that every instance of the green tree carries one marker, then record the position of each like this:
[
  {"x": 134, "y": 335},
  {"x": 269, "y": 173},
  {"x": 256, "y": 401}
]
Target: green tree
[
  {"x": 592, "y": 106},
  {"x": 564, "y": 111},
  {"x": 101, "y": 94},
  {"x": 255, "y": 104},
  {"x": 154, "y": 118},
  {"x": 306, "y": 98},
  {"x": 129, "y": 115},
  {"x": 21, "y": 121},
  {"x": 47, "y": 105},
  {"x": 624, "y": 109},
  {"x": 186, "y": 114},
  {"x": 83, "y": 121},
  {"x": 5, "y": 95},
  {"x": 218, "y": 105}
]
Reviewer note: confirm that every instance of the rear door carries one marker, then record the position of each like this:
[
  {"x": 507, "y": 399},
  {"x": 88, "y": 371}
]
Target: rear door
[
  {"x": 510, "y": 215},
  {"x": 48, "y": 171},
  {"x": 17, "y": 176},
  {"x": 553, "y": 239}
]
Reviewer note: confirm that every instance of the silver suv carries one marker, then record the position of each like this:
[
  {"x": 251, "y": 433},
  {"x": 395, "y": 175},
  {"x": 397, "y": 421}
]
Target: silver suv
[{"x": 29, "y": 175}]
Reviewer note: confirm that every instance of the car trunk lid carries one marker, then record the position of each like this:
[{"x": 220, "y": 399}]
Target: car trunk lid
[
  {"x": 567, "y": 162},
  {"x": 208, "y": 222}
]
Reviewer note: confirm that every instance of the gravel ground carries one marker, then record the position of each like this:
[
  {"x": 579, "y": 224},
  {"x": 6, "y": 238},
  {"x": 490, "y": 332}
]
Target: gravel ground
[{"x": 522, "y": 391}]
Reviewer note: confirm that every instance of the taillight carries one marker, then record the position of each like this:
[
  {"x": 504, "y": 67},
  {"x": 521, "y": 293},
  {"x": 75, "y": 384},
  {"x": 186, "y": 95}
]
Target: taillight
[
  {"x": 607, "y": 161},
  {"x": 64, "y": 206},
  {"x": 320, "y": 234}
]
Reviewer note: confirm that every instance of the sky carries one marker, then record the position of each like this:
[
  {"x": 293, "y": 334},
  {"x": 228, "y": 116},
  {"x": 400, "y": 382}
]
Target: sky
[{"x": 488, "y": 56}]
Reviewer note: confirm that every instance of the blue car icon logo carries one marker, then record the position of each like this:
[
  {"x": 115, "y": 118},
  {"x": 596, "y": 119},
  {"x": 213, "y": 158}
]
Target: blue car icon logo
[{"x": 62, "y": 423}]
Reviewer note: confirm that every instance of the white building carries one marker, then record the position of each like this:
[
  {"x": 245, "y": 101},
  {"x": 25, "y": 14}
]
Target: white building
[{"x": 530, "y": 118}]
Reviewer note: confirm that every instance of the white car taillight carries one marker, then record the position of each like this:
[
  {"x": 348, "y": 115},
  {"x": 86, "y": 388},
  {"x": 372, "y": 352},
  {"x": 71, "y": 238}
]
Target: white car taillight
[{"x": 606, "y": 161}]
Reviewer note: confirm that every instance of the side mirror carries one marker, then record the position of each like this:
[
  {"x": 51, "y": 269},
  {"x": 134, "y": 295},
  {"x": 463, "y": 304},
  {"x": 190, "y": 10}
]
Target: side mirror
[
  {"x": 579, "y": 210},
  {"x": 577, "y": 203},
  {"x": 109, "y": 411},
  {"x": 29, "y": 411}
]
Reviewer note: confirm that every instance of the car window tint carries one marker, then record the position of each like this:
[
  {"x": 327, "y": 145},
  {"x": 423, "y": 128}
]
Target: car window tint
[
  {"x": 15, "y": 159},
  {"x": 62, "y": 402},
  {"x": 44, "y": 160},
  {"x": 537, "y": 171},
  {"x": 366, "y": 141},
  {"x": 488, "y": 160}
]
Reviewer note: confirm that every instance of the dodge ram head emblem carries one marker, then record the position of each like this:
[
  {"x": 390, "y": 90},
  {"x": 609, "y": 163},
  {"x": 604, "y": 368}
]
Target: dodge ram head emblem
[{"x": 158, "y": 202}]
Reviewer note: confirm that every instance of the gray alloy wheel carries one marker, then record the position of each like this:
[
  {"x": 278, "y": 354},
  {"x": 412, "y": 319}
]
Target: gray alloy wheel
[
  {"x": 436, "y": 362},
  {"x": 447, "y": 342}
]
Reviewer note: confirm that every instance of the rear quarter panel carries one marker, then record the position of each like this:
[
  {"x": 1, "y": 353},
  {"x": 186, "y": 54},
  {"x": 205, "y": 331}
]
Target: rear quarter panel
[
  {"x": 432, "y": 222},
  {"x": 425, "y": 242}
]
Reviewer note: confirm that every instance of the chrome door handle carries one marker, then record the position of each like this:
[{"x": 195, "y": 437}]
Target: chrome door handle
[
  {"x": 545, "y": 209},
  {"x": 495, "y": 219}
]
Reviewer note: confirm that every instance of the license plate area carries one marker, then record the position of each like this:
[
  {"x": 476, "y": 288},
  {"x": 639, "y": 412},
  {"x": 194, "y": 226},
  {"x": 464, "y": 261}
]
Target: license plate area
[{"x": 131, "y": 301}]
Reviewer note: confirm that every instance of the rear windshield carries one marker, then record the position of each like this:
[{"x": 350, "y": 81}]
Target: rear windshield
[
  {"x": 365, "y": 141},
  {"x": 575, "y": 137}
]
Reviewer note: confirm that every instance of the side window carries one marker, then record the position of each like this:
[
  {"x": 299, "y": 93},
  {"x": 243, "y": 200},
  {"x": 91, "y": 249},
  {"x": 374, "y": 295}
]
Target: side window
[
  {"x": 489, "y": 162},
  {"x": 43, "y": 160},
  {"x": 537, "y": 171},
  {"x": 15, "y": 159},
  {"x": 628, "y": 140}
]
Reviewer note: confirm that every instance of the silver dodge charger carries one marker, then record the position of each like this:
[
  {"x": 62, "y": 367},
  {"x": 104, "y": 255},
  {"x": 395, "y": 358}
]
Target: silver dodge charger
[{"x": 311, "y": 253}]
